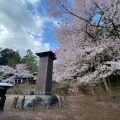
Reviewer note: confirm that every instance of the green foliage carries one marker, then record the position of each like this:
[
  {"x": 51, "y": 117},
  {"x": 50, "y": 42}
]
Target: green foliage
[
  {"x": 83, "y": 88},
  {"x": 115, "y": 86},
  {"x": 6, "y": 54},
  {"x": 9, "y": 57},
  {"x": 60, "y": 89},
  {"x": 30, "y": 61},
  {"x": 14, "y": 60},
  {"x": 105, "y": 58}
]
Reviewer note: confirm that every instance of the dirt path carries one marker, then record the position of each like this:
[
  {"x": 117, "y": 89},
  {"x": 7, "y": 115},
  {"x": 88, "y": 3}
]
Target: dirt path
[{"x": 77, "y": 108}]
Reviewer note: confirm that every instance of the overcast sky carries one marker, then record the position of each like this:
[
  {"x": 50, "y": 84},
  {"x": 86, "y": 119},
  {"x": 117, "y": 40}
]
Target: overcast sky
[{"x": 24, "y": 24}]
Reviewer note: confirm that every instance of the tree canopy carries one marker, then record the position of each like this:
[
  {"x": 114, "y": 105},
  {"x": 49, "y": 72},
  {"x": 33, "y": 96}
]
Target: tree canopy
[
  {"x": 89, "y": 46},
  {"x": 9, "y": 57},
  {"x": 12, "y": 58},
  {"x": 8, "y": 74},
  {"x": 30, "y": 61}
]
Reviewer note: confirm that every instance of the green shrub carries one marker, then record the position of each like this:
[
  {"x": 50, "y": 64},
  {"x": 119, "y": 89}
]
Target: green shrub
[
  {"x": 63, "y": 89},
  {"x": 83, "y": 88}
]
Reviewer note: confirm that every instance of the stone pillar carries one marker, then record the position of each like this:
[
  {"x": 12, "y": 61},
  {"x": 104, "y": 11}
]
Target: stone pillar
[{"x": 44, "y": 76}]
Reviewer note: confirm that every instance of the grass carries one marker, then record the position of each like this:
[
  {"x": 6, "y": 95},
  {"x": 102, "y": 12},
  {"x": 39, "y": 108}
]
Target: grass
[
  {"x": 115, "y": 86},
  {"x": 21, "y": 89}
]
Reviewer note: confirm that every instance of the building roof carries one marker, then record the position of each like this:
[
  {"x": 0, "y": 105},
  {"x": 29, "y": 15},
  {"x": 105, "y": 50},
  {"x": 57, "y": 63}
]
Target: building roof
[
  {"x": 6, "y": 84},
  {"x": 35, "y": 73}
]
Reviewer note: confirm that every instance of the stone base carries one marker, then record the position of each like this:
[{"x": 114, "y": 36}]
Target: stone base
[{"x": 41, "y": 100}]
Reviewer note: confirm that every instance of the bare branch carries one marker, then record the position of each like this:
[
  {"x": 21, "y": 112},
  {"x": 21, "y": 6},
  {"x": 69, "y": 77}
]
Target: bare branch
[
  {"x": 99, "y": 8},
  {"x": 99, "y": 21},
  {"x": 68, "y": 11},
  {"x": 89, "y": 33}
]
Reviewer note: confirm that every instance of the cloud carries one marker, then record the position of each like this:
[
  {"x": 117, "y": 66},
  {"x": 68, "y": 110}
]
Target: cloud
[
  {"x": 30, "y": 1},
  {"x": 20, "y": 29}
]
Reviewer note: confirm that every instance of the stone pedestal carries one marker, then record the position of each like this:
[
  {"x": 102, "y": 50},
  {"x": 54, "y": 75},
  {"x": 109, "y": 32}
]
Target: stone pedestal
[
  {"x": 44, "y": 76},
  {"x": 43, "y": 103}
]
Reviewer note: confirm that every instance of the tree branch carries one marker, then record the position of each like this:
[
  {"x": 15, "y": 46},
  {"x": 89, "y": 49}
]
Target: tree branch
[
  {"x": 99, "y": 8},
  {"x": 99, "y": 21},
  {"x": 89, "y": 33},
  {"x": 68, "y": 11}
]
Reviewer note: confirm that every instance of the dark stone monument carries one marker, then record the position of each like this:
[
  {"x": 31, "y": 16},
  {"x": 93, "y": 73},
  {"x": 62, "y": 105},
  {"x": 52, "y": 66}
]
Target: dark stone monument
[
  {"x": 44, "y": 82},
  {"x": 44, "y": 77}
]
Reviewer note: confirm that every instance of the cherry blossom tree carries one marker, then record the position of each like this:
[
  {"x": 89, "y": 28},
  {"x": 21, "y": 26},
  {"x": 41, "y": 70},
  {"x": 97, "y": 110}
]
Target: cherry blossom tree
[
  {"x": 9, "y": 74},
  {"x": 87, "y": 46},
  {"x": 6, "y": 72}
]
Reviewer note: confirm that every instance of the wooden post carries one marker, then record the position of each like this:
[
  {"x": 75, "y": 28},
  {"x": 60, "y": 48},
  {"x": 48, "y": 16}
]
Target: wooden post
[
  {"x": 15, "y": 102},
  {"x": 22, "y": 102},
  {"x": 48, "y": 104},
  {"x": 60, "y": 101},
  {"x": 33, "y": 104}
]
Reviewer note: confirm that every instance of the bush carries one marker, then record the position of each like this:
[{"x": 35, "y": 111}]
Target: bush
[
  {"x": 61, "y": 89},
  {"x": 83, "y": 88}
]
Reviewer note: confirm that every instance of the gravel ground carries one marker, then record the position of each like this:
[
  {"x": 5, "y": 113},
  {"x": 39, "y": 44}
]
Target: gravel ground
[{"x": 77, "y": 108}]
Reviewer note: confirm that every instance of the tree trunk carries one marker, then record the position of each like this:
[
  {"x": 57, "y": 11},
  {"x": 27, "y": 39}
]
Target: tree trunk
[
  {"x": 109, "y": 82},
  {"x": 117, "y": 79},
  {"x": 108, "y": 88},
  {"x": 95, "y": 93},
  {"x": 102, "y": 87}
]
